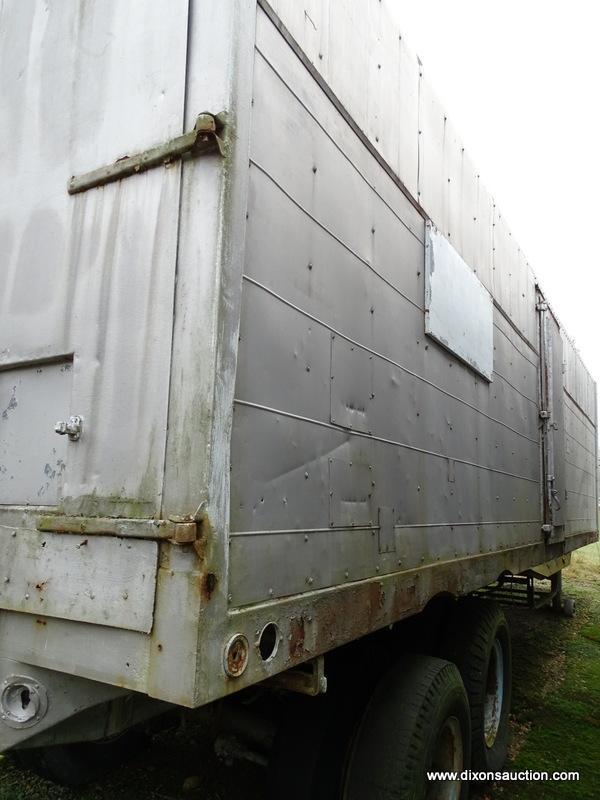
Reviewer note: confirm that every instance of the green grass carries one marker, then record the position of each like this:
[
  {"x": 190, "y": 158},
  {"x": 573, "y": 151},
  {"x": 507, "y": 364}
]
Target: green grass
[{"x": 556, "y": 705}]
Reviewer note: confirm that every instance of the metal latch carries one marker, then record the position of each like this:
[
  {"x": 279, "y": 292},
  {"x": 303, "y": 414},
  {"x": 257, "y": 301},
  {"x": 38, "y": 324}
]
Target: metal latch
[
  {"x": 205, "y": 137},
  {"x": 544, "y": 415},
  {"x": 72, "y": 428}
]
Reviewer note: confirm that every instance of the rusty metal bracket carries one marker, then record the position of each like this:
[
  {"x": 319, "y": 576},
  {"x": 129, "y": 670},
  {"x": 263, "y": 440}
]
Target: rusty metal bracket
[
  {"x": 308, "y": 678},
  {"x": 177, "y": 531},
  {"x": 205, "y": 137}
]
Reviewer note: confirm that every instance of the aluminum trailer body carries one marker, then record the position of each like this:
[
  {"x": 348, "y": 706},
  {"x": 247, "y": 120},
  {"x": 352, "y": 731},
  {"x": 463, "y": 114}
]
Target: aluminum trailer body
[{"x": 306, "y": 376}]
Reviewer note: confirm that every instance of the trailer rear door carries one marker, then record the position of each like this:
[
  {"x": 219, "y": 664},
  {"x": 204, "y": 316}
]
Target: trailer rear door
[{"x": 87, "y": 281}]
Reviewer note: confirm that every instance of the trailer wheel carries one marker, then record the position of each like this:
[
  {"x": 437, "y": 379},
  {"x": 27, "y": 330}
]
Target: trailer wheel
[
  {"x": 82, "y": 762},
  {"x": 568, "y": 607},
  {"x": 417, "y": 720},
  {"x": 478, "y": 642}
]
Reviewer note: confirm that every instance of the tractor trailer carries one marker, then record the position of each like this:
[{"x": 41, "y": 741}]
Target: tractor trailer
[{"x": 283, "y": 407}]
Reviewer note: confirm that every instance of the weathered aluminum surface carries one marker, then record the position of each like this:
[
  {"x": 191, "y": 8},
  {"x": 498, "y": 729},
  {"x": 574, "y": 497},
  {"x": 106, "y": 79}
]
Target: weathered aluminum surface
[
  {"x": 203, "y": 138},
  {"x": 458, "y": 308},
  {"x": 362, "y": 468},
  {"x": 181, "y": 532},
  {"x": 105, "y": 581},
  {"x": 363, "y": 60},
  {"x": 32, "y": 456},
  {"x": 580, "y": 442},
  {"x": 407, "y": 427},
  {"x": 67, "y": 695},
  {"x": 93, "y": 275}
]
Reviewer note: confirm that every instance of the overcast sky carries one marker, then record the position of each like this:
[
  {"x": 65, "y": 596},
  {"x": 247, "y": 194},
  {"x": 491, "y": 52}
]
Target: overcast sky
[{"x": 521, "y": 81}]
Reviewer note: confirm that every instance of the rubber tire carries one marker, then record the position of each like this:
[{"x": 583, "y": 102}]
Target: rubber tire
[
  {"x": 313, "y": 740},
  {"x": 393, "y": 747},
  {"x": 83, "y": 762},
  {"x": 309, "y": 751},
  {"x": 468, "y": 643},
  {"x": 568, "y": 607}
]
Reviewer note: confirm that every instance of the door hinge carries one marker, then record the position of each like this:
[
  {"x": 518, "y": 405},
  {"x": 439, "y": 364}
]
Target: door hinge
[{"x": 205, "y": 137}]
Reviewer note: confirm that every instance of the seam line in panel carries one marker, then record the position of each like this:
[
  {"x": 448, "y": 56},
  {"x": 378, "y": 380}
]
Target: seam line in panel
[
  {"x": 399, "y": 526},
  {"x": 337, "y": 104},
  {"x": 587, "y": 472},
  {"x": 334, "y": 236},
  {"x": 339, "y": 148},
  {"x": 581, "y": 494},
  {"x": 363, "y": 138},
  {"x": 512, "y": 386},
  {"x": 581, "y": 411},
  {"x": 382, "y": 439},
  {"x": 587, "y": 450},
  {"x": 514, "y": 346},
  {"x": 388, "y": 360}
]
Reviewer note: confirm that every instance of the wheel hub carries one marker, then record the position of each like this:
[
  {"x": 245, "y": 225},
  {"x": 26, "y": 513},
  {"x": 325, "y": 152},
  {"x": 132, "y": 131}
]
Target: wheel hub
[{"x": 494, "y": 694}]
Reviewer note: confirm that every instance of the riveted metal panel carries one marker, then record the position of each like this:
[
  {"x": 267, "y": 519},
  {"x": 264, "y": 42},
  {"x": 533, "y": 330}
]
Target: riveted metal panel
[
  {"x": 352, "y": 385},
  {"x": 450, "y": 285},
  {"x": 577, "y": 381},
  {"x": 351, "y": 485},
  {"x": 404, "y": 406},
  {"x": 289, "y": 488},
  {"x": 386, "y": 533},
  {"x": 101, "y": 580},
  {"x": 283, "y": 356},
  {"x": 432, "y": 135}
]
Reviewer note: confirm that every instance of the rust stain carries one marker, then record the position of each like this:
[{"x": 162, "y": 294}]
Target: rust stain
[
  {"x": 41, "y": 622},
  {"x": 41, "y": 586},
  {"x": 297, "y": 637},
  {"x": 203, "y": 536},
  {"x": 236, "y": 656},
  {"x": 403, "y": 601},
  {"x": 208, "y": 585}
]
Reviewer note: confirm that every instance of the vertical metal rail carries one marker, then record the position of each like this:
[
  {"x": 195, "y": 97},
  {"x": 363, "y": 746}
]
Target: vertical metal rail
[{"x": 546, "y": 414}]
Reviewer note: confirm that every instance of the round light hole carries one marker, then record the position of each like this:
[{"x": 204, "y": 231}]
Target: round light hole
[{"x": 268, "y": 641}]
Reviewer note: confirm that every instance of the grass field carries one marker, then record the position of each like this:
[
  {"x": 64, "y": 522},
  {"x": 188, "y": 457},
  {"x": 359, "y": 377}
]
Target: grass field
[
  {"x": 556, "y": 703},
  {"x": 555, "y": 721}
]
